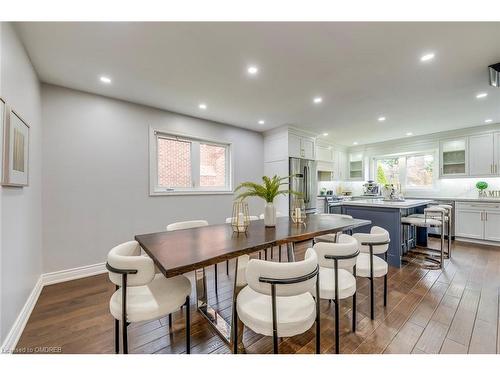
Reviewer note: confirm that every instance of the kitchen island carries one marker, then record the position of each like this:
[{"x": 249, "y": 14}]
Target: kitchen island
[{"x": 387, "y": 214}]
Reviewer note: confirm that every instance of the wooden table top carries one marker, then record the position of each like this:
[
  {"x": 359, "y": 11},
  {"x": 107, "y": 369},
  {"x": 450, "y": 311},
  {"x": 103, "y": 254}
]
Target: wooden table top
[{"x": 182, "y": 251}]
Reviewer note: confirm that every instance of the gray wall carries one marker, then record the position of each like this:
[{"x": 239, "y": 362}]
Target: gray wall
[
  {"x": 96, "y": 175},
  {"x": 20, "y": 223}
]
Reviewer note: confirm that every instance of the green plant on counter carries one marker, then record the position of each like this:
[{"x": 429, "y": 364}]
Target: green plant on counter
[
  {"x": 481, "y": 185},
  {"x": 269, "y": 190}
]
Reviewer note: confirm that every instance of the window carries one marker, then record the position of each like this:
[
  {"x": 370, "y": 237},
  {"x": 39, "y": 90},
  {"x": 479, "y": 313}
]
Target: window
[
  {"x": 184, "y": 165},
  {"x": 388, "y": 171},
  {"x": 419, "y": 169},
  {"x": 415, "y": 171}
]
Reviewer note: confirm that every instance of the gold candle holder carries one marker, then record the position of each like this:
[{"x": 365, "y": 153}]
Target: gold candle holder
[
  {"x": 298, "y": 213},
  {"x": 240, "y": 220}
]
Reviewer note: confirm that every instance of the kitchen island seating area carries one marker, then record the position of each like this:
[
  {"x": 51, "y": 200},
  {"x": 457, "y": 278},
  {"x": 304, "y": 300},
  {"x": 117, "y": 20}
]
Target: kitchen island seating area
[{"x": 270, "y": 298}]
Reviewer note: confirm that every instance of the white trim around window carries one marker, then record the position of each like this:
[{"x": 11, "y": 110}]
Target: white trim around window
[{"x": 155, "y": 189}]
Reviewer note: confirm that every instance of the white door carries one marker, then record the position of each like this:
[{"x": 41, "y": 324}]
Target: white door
[
  {"x": 307, "y": 148},
  {"x": 497, "y": 153},
  {"x": 492, "y": 225},
  {"x": 481, "y": 161},
  {"x": 294, "y": 149},
  {"x": 469, "y": 224}
]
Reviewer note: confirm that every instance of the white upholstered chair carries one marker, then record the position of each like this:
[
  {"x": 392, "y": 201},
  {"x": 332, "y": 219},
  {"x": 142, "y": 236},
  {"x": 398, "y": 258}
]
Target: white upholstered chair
[
  {"x": 337, "y": 275},
  {"x": 180, "y": 225},
  {"x": 277, "y": 301},
  {"x": 330, "y": 237},
  {"x": 369, "y": 264},
  {"x": 140, "y": 293}
]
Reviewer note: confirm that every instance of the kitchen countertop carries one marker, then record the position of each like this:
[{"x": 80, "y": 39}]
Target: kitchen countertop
[
  {"x": 462, "y": 199},
  {"x": 408, "y": 203}
]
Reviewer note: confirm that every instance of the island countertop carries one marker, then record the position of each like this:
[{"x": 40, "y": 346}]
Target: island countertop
[{"x": 407, "y": 203}]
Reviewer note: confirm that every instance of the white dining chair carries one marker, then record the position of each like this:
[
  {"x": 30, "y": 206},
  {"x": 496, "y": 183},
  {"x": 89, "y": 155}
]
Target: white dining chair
[
  {"x": 330, "y": 237},
  {"x": 277, "y": 301},
  {"x": 229, "y": 221},
  {"x": 181, "y": 225},
  {"x": 369, "y": 264},
  {"x": 337, "y": 275},
  {"x": 141, "y": 294},
  {"x": 278, "y": 214}
]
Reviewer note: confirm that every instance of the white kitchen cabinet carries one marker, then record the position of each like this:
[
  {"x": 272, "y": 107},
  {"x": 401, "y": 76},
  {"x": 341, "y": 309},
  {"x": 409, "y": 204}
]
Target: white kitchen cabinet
[
  {"x": 453, "y": 158},
  {"x": 478, "y": 220},
  {"x": 355, "y": 166},
  {"x": 324, "y": 153},
  {"x": 481, "y": 155},
  {"x": 492, "y": 225},
  {"x": 340, "y": 165},
  {"x": 301, "y": 147},
  {"x": 497, "y": 153},
  {"x": 469, "y": 224}
]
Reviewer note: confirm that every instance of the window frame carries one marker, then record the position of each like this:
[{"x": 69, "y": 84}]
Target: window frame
[
  {"x": 403, "y": 170},
  {"x": 196, "y": 189}
]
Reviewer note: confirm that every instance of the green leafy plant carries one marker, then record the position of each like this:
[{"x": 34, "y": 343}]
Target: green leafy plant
[
  {"x": 269, "y": 190},
  {"x": 481, "y": 185},
  {"x": 381, "y": 179}
]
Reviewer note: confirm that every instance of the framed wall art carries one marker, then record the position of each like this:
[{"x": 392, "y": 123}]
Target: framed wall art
[{"x": 15, "y": 149}]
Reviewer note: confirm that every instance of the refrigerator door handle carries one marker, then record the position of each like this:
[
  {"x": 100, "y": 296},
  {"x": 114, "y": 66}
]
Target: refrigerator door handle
[{"x": 305, "y": 184}]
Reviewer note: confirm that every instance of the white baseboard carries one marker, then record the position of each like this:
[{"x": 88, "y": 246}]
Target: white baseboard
[
  {"x": 73, "y": 273},
  {"x": 474, "y": 240},
  {"x": 50, "y": 278},
  {"x": 15, "y": 332}
]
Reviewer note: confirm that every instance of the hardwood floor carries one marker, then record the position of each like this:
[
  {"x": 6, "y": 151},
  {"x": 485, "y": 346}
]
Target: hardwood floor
[{"x": 429, "y": 311}]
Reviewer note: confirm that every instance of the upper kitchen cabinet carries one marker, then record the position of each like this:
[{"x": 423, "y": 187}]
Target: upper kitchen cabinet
[
  {"x": 301, "y": 147},
  {"x": 482, "y": 155},
  {"x": 496, "y": 143},
  {"x": 453, "y": 158},
  {"x": 324, "y": 152},
  {"x": 355, "y": 165}
]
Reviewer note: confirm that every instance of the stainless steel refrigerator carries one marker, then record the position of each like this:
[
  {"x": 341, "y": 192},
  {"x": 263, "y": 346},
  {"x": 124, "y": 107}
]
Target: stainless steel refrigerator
[{"x": 304, "y": 180}]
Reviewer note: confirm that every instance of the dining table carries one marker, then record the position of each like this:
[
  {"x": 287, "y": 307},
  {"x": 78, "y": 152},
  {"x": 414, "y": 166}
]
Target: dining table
[{"x": 194, "y": 249}]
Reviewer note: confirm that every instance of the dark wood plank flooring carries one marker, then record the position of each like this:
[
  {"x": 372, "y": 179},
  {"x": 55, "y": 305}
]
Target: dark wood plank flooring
[{"x": 429, "y": 311}]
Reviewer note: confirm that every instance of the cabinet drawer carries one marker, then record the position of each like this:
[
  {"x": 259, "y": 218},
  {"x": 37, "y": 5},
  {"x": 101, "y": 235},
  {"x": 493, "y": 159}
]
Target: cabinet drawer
[{"x": 493, "y": 206}]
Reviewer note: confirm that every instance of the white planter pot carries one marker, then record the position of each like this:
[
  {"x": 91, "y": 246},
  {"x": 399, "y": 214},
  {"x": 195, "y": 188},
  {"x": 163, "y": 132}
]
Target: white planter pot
[{"x": 270, "y": 215}]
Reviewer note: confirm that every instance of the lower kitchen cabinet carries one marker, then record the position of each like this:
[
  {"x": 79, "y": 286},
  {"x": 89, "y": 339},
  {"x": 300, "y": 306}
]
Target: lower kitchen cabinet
[
  {"x": 492, "y": 226},
  {"x": 478, "y": 221}
]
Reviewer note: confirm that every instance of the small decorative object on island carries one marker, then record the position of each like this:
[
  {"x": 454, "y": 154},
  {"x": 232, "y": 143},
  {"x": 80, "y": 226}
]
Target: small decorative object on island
[
  {"x": 240, "y": 220},
  {"x": 298, "y": 210},
  {"x": 268, "y": 191},
  {"x": 482, "y": 186}
]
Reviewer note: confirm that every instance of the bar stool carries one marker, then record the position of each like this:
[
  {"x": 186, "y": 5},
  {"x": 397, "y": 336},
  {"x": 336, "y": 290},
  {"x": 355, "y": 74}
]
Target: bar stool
[
  {"x": 277, "y": 301},
  {"x": 426, "y": 257},
  {"x": 337, "y": 271},
  {"x": 141, "y": 294},
  {"x": 368, "y": 264},
  {"x": 448, "y": 215},
  {"x": 330, "y": 237}
]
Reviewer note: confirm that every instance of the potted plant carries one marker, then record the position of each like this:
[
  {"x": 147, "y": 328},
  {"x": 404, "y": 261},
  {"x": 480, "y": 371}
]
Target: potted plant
[
  {"x": 269, "y": 190},
  {"x": 482, "y": 186}
]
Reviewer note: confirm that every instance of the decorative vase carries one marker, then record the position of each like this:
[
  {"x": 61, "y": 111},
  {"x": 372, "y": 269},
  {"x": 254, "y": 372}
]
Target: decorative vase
[{"x": 270, "y": 215}]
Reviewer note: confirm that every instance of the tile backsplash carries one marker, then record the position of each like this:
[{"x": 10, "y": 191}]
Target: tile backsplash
[{"x": 454, "y": 188}]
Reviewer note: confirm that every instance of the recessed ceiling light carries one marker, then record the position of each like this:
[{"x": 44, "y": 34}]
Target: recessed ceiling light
[
  {"x": 382, "y": 118},
  {"x": 482, "y": 95},
  {"x": 427, "y": 57},
  {"x": 325, "y": 134},
  {"x": 318, "y": 99},
  {"x": 409, "y": 134},
  {"x": 202, "y": 106},
  {"x": 354, "y": 143},
  {"x": 261, "y": 122},
  {"x": 104, "y": 79},
  {"x": 488, "y": 120},
  {"x": 253, "y": 70}
]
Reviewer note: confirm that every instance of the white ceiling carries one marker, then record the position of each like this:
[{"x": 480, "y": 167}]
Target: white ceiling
[{"x": 362, "y": 71}]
